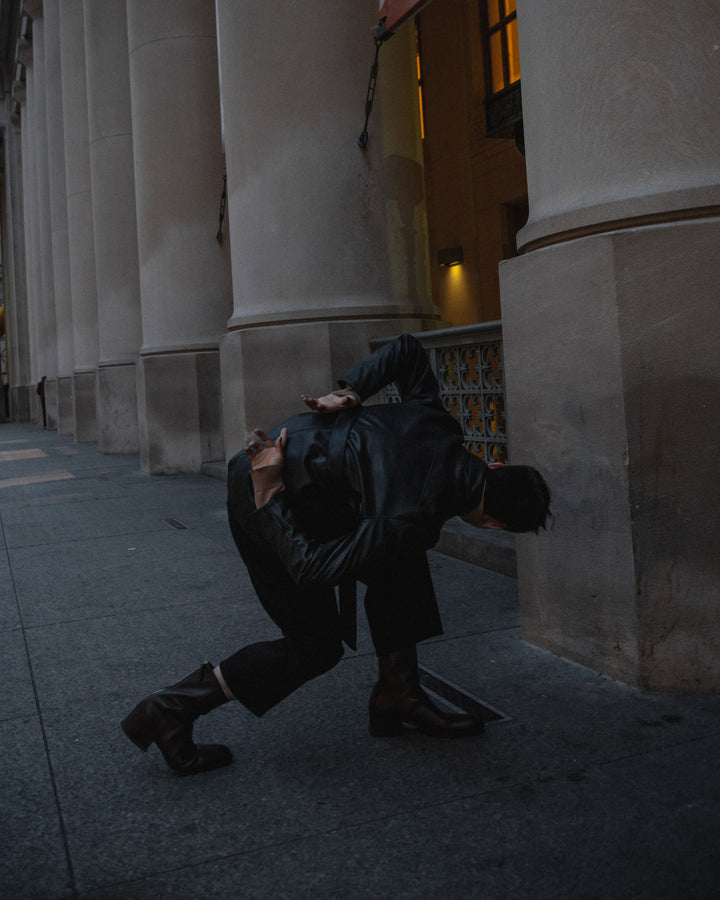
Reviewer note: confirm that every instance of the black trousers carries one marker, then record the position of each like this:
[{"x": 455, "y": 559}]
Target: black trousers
[{"x": 400, "y": 605}]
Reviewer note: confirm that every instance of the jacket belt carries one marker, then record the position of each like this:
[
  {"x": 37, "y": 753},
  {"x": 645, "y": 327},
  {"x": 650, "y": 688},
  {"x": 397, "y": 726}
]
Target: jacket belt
[{"x": 336, "y": 446}]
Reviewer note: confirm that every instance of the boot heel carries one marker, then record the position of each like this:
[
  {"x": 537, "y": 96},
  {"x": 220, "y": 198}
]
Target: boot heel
[
  {"x": 385, "y": 723},
  {"x": 138, "y": 728}
]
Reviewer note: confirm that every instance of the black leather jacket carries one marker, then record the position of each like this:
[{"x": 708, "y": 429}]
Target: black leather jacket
[{"x": 363, "y": 484}]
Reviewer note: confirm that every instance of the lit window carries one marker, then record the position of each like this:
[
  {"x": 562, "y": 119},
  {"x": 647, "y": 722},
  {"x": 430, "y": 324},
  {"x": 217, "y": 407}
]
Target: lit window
[
  {"x": 502, "y": 43},
  {"x": 503, "y": 104}
]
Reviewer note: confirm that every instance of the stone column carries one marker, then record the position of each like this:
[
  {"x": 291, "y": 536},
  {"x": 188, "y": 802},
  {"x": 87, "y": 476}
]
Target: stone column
[
  {"x": 45, "y": 298},
  {"x": 18, "y": 312},
  {"x": 58, "y": 219},
  {"x": 32, "y": 242},
  {"x": 115, "y": 227},
  {"x": 329, "y": 242},
  {"x": 80, "y": 221},
  {"x": 610, "y": 329},
  {"x": 184, "y": 272}
]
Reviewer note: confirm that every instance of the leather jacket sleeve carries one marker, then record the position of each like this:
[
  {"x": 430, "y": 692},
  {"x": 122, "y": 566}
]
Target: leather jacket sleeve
[
  {"x": 320, "y": 563},
  {"x": 403, "y": 361}
]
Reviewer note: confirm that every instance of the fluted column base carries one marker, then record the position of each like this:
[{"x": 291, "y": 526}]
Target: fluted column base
[
  {"x": 51, "y": 403},
  {"x": 66, "y": 414},
  {"x": 117, "y": 408},
  {"x": 180, "y": 410},
  {"x": 21, "y": 403},
  {"x": 84, "y": 406}
]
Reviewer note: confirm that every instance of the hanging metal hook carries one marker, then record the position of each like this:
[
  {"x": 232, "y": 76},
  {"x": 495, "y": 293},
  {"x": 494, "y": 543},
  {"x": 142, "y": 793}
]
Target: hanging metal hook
[{"x": 362, "y": 141}]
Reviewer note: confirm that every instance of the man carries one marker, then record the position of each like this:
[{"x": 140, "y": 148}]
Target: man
[
  {"x": 40, "y": 391},
  {"x": 346, "y": 492}
]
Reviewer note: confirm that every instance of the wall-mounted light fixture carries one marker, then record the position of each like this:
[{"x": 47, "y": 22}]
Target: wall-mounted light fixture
[{"x": 450, "y": 256}]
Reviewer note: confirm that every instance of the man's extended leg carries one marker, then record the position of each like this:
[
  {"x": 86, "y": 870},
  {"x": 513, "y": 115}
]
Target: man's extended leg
[
  {"x": 259, "y": 676},
  {"x": 402, "y": 610}
]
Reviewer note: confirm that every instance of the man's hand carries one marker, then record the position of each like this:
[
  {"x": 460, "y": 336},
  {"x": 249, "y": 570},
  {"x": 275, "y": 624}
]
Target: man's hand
[
  {"x": 263, "y": 452},
  {"x": 334, "y": 402},
  {"x": 267, "y": 464}
]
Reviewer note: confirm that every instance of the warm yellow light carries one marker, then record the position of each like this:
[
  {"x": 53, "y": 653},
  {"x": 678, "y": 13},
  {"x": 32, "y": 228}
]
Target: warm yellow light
[
  {"x": 513, "y": 52},
  {"x": 455, "y": 297},
  {"x": 493, "y": 12},
  {"x": 418, "y": 63},
  {"x": 498, "y": 77},
  {"x": 422, "y": 117}
]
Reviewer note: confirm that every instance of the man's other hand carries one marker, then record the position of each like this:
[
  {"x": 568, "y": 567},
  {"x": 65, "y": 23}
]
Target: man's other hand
[
  {"x": 267, "y": 460},
  {"x": 331, "y": 403},
  {"x": 263, "y": 452}
]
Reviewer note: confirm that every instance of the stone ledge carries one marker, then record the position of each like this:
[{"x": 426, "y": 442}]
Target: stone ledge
[{"x": 493, "y": 550}]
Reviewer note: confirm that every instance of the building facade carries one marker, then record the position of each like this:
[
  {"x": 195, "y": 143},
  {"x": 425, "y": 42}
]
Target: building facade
[{"x": 191, "y": 236}]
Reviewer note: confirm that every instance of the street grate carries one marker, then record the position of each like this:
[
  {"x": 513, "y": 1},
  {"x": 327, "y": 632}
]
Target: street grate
[
  {"x": 174, "y": 523},
  {"x": 459, "y": 697}
]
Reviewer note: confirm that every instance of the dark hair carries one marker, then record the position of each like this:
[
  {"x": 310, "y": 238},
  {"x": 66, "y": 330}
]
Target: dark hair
[{"x": 518, "y": 497}]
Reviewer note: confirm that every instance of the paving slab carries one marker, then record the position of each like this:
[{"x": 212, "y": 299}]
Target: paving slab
[
  {"x": 101, "y": 576},
  {"x": 33, "y": 859},
  {"x": 18, "y": 694},
  {"x": 9, "y": 614}
]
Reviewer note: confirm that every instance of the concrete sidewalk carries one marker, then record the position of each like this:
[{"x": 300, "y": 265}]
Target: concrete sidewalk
[{"x": 113, "y": 584}]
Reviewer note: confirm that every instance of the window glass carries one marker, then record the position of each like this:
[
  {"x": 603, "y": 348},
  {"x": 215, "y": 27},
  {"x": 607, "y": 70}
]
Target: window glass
[
  {"x": 493, "y": 12},
  {"x": 498, "y": 78},
  {"x": 513, "y": 52},
  {"x": 502, "y": 44}
]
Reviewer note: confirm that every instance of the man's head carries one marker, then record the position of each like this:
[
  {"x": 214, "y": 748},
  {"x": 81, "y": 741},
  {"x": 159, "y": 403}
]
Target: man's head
[{"x": 515, "y": 498}]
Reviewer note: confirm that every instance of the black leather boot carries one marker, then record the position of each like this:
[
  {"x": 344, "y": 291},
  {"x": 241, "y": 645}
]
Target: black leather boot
[
  {"x": 167, "y": 716},
  {"x": 398, "y": 699}
]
